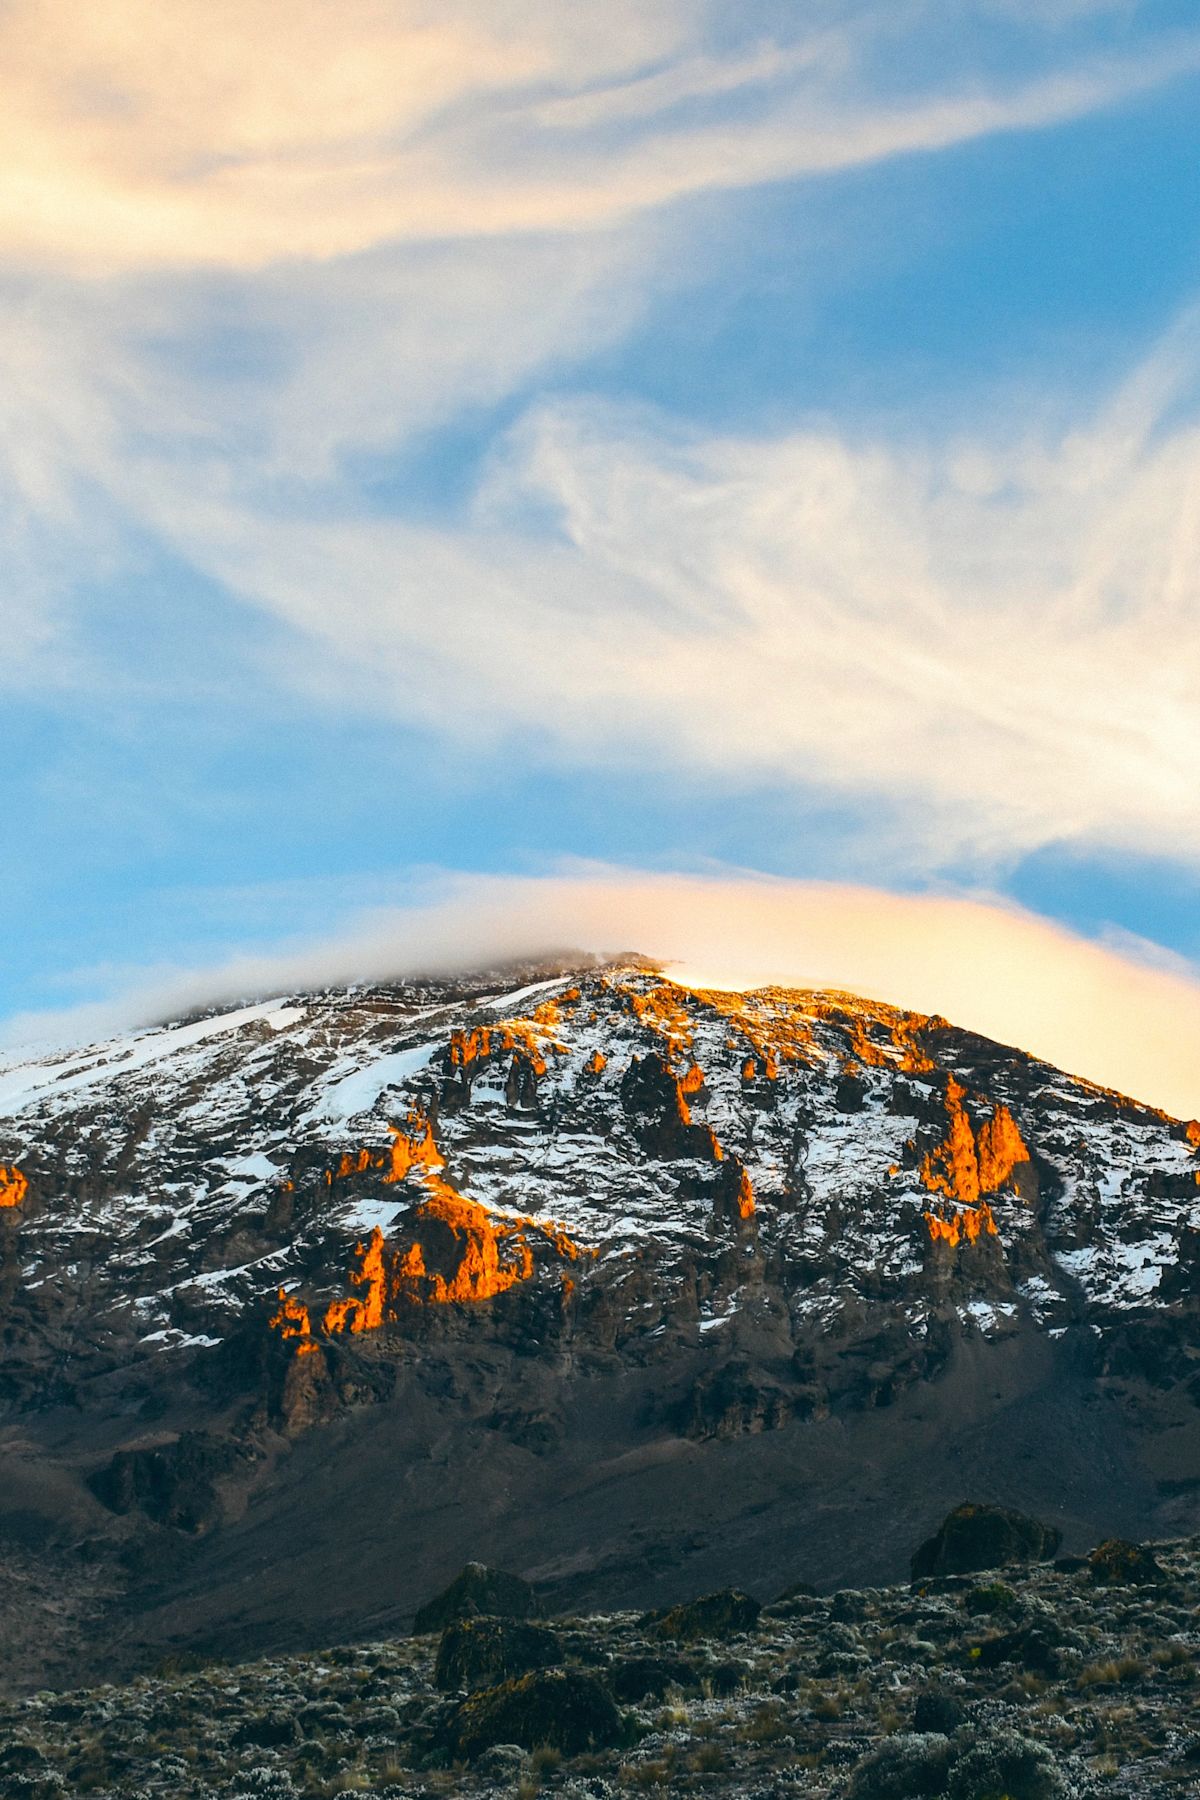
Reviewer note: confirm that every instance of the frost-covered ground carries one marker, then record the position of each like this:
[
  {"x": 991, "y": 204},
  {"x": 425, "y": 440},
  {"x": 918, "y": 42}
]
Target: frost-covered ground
[{"x": 1062, "y": 1689}]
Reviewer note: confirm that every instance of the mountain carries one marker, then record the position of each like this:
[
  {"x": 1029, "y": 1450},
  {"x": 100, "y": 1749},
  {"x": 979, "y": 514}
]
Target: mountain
[{"x": 634, "y": 1289}]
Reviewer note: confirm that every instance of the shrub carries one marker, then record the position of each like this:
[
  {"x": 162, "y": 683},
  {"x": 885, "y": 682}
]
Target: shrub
[
  {"x": 937, "y": 1712},
  {"x": 909, "y": 1764},
  {"x": 1007, "y": 1766},
  {"x": 994, "y": 1597}
]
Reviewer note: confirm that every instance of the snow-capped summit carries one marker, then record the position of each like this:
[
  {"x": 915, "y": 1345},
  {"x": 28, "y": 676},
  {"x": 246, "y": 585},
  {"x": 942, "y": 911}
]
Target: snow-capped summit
[{"x": 680, "y": 1254}]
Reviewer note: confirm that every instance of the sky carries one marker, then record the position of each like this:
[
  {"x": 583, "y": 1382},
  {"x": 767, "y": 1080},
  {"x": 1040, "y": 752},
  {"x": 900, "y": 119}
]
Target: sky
[{"x": 677, "y": 475}]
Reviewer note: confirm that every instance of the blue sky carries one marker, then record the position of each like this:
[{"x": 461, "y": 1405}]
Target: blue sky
[{"x": 465, "y": 439}]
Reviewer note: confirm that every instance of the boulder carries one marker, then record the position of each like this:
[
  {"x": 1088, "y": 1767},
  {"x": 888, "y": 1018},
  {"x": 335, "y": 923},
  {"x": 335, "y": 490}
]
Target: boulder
[
  {"x": 176, "y": 1483},
  {"x": 638, "y": 1678},
  {"x": 983, "y": 1537},
  {"x": 475, "y": 1590},
  {"x": 727, "y": 1613},
  {"x": 725, "y": 1678},
  {"x": 1034, "y": 1647},
  {"x": 481, "y": 1652},
  {"x": 936, "y": 1711},
  {"x": 798, "y": 1590},
  {"x": 564, "y": 1709},
  {"x": 1118, "y": 1563}
]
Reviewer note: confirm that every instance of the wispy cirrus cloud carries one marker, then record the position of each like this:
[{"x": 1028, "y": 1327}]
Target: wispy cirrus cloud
[
  {"x": 993, "y": 635},
  {"x": 206, "y": 134}
]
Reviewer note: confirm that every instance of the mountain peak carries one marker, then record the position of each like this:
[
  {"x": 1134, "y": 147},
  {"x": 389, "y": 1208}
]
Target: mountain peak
[{"x": 595, "y": 1207}]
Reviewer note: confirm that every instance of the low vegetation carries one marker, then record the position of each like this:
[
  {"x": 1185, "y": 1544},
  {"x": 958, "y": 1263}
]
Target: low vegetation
[{"x": 1057, "y": 1683}]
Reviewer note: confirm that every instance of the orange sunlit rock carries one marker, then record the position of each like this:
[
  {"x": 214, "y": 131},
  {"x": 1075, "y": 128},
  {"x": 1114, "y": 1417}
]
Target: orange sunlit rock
[
  {"x": 966, "y": 1165},
  {"x": 963, "y": 1227},
  {"x": 460, "y": 1253},
  {"x": 1192, "y": 1133},
  {"x": 953, "y": 1168},
  {"x": 549, "y": 1013},
  {"x": 365, "y": 1311},
  {"x": 467, "y": 1047},
  {"x": 596, "y": 1063},
  {"x": 525, "y": 1037},
  {"x": 1001, "y": 1149},
  {"x": 491, "y": 1256},
  {"x": 14, "y": 1185},
  {"x": 660, "y": 1009},
  {"x": 885, "y": 1039},
  {"x": 353, "y": 1165},
  {"x": 768, "y": 1023},
  {"x": 292, "y": 1321},
  {"x": 558, "y": 1240},
  {"x": 412, "y": 1149},
  {"x": 745, "y": 1196},
  {"x": 763, "y": 1066}
]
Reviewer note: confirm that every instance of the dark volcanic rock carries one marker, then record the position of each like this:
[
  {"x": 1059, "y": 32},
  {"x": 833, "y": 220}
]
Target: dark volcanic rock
[
  {"x": 734, "y": 1400},
  {"x": 562, "y": 1708},
  {"x": 1116, "y": 1563},
  {"x": 174, "y": 1484},
  {"x": 938, "y": 1712},
  {"x": 728, "y": 1613},
  {"x": 638, "y": 1678},
  {"x": 1033, "y": 1647},
  {"x": 983, "y": 1537},
  {"x": 482, "y": 1652},
  {"x": 477, "y": 1589}
]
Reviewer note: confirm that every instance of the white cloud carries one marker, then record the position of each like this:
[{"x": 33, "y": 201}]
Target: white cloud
[
  {"x": 991, "y": 639},
  {"x": 212, "y": 133},
  {"x": 1097, "y": 1011},
  {"x": 996, "y": 636}
]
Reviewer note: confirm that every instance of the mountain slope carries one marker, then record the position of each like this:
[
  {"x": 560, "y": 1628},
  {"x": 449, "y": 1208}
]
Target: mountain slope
[{"x": 634, "y": 1288}]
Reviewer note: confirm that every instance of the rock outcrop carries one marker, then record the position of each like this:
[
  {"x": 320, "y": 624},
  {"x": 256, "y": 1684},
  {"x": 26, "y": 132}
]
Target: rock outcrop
[
  {"x": 976, "y": 1537},
  {"x": 563, "y": 1709},
  {"x": 476, "y": 1590}
]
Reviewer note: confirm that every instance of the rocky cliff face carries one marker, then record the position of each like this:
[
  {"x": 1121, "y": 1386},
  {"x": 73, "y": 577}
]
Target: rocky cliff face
[{"x": 597, "y": 1276}]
